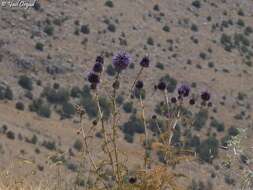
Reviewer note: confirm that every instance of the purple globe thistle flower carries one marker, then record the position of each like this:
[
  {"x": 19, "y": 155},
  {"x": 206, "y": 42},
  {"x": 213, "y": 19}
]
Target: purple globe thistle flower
[
  {"x": 161, "y": 85},
  {"x": 93, "y": 78},
  {"x": 139, "y": 84},
  {"x": 173, "y": 100},
  {"x": 100, "y": 60},
  {"x": 184, "y": 90},
  {"x": 121, "y": 60},
  {"x": 98, "y": 67},
  {"x": 145, "y": 61},
  {"x": 205, "y": 96}
]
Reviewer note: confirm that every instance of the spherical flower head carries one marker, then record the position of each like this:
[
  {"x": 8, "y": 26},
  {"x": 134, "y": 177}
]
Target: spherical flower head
[
  {"x": 184, "y": 90},
  {"x": 100, "y": 60},
  {"x": 205, "y": 96},
  {"x": 161, "y": 86},
  {"x": 98, "y": 67},
  {"x": 139, "y": 84},
  {"x": 93, "y": 78},
  {"x": 173, "y": 100},
  {"x": 121, "y": 60},
  {"x": 192, "y": 101},
  {"x": 145, "y": 61}
]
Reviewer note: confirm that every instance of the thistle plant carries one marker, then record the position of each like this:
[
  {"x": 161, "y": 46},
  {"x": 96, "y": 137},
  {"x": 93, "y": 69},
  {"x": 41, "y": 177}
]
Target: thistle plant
[{"x": 112, "y": 158}]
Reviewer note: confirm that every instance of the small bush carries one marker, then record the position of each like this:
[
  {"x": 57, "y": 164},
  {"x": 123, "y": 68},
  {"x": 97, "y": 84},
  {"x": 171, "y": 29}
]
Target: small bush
[
  {"x": 216, "y": 124},
  {"x": 10, "y": 135},
  {"x": 160, "y": 66},
  {"x": 196, "y": 4},
  {"x": 109, "y": 3},
  {"x": 200, "y": 119},
  {"x": 208, "y": 149},
  {"x": 39, "y": 46},
  {"x": 49, "y": 30},
  {"x": 50, "y": 145},
  {"x": 44, "y": 111},
  {"x": 111, "y": 27},
  {"x": 150, "y": 41},
  {"x": 85, "y": 29},
  {"x": 20, "y": 106},
  {"x": 128, "y": 107},
  {"x": 8, "y": 94},
  {"x": 110, "y": 70},
  {"x": 25, "y": 82},
  {"x": 78, "y": 145},
  {"x": 166, "y": 28},
  {"x": 75, "y": 92},
  {"x": 68, "y": 110}
]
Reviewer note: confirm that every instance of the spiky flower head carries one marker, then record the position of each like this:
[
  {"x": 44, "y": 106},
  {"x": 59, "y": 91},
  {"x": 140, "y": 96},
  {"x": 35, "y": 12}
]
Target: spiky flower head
[
  {"x": 192, "y": 101},
  {"x": 100, "y": 59},
  {"x": 93, "y": 78},
  {"x": 145, "y": 61},
  {"x": 205, "y": 96},
  {"x": 184, "y": 90},
  {"x": 121, "y": 60},
  {"x": 98, "y": 67},
  {"x": 139, "y": 84},
  {"x": 173, "y": 100},
  {"x": 161, "y": 85}
]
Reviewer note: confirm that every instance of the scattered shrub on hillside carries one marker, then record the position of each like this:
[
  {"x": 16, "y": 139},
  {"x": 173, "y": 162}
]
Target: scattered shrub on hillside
[
  {"x": 208, "y": 149},
  {"x": 109, "y": 3},
  {"x": 20, "y": 106},
  {"x": 78, "y": 145},
  {"x": 10, "y": 135},
  {"x": 39, "y": 46},
  {"x": 25, "y": 82}
]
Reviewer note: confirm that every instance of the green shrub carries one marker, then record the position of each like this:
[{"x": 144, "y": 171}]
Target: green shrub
[
  {"x": 85, "y": 29},
  {"x": 75, "y": 92},
  {"x": 39, "y": 46},
  {"x": 120, "y": 99},
  {"x": 111, "y": 27},
  {"x": 25, "y": 82},
  {"x": 20, "y": 106},
  {"x": 150, "y": 41},
  {"x": 8, "y": 94},
  {"x": 109, "y": 3},
  {"x": 49, "y": 30},
  {"x": 110, "y": 70},
  {"x": 59, "y": 96},
  {"x": 44, "y": 111},
  {"x": 171, "y": 83},
  {"x": 216, "y": 124},
  {"x": 196, "y": 4},
  {"x": 160, "y": 66},
  {"x": 128, "y": 107},
  {"x": 50, "y": 145},
  {"x": 10, "y": 135},
  {"x": 78, "y": 145},
  {"x": 166, "y": 28},
  {"x": 208, "y": 149},
  {"x": 194, "y": 28},
  {"x": 200, "y": 119},
  {"x": 68, "y": 110},
  {"x": 106, "y": 107},
  {"x": 134, "y": 125}
]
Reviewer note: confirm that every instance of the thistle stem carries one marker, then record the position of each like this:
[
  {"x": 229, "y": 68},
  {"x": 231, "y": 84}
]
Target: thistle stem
[
  {"x": 105, "y": 134},
  {"x": 114, "y": 129},
  {"x": 146, "y": 134}
]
